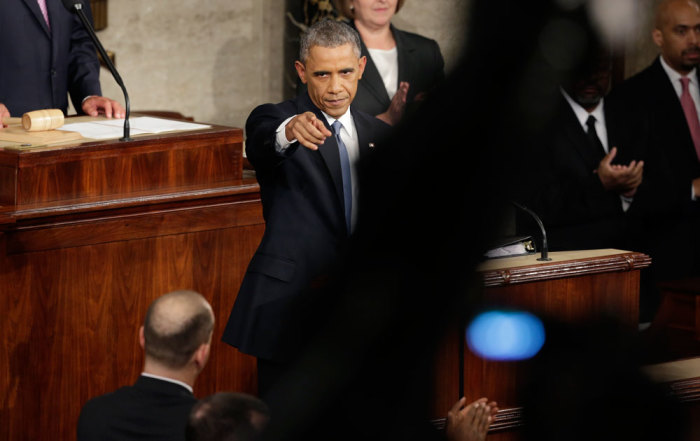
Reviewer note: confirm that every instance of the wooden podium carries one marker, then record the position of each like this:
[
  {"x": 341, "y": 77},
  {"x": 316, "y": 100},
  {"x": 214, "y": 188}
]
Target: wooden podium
[
  {"x": 90, "y": 233},
  {"x": 573, "y": 286}
]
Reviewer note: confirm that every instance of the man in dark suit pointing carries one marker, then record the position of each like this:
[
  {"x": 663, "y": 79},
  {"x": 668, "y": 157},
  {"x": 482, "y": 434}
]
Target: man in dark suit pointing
[
  {"x": 305, "y": 153},
  {"x": 176, "y": 337}
]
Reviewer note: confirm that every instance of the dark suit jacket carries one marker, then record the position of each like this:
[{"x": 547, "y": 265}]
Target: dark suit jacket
[
  {"x": 305, "y": 231},
  {"x": 420, "y": 63},
  {"x": 671, "y": 162},
  {"x": 663, "y": 218},
  {"x": 38, "y": 65},
  {"x": 151, "y": 409},
  {"x": 577, "y": 212}
]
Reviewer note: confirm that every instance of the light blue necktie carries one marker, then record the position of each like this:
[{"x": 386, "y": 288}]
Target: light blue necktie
[{"x": 345, "y": 170}]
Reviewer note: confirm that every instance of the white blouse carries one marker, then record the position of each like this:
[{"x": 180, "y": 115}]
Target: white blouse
[{"x": 387, "y": 62}]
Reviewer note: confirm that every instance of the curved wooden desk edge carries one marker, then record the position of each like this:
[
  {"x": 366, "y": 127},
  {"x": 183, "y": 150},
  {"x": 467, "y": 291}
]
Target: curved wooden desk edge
[{"x": 563, "y": 264}]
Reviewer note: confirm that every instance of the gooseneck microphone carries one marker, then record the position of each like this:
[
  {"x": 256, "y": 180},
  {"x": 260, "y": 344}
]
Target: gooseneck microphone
[
  {"x": 545, "y": 249},
  {"x": 77, "y": 7}
]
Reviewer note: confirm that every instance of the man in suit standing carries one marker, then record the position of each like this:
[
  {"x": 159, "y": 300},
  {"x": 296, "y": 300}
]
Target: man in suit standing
[
  {"x": 175, "y": 337},
  {"x": 305, "y": 153},
  {"x": 47, "y": 55},
  {"x": 663, "y": 102},
  {"x": 587, "y": 174}
]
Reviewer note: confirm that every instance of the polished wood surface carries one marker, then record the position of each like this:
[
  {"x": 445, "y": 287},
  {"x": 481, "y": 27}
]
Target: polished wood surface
[
  {"x": 574, "y": 286},
  {"x": 675, "y": 330},
  {"x": 681, "y": 379},
  {"x": 96, "y": 232},
  {"x": 563, "y": 264},
  {"x": 153, "y": 163}
]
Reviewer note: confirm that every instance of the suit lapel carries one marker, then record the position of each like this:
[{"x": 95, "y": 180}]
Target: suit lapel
[
  {"x": 328, "y": 150},
  {"x": 372, "y": 80},
  {"x": 666, "y": 94},
  {"x": 667, "y": 98},
  {"x": 577, "y": 136},
  {"x": 362, "y": 129},
  {"x": 331, "y": 157},
  {"x": 404, "y": 51},
  {"x": 33, "y": 6}
]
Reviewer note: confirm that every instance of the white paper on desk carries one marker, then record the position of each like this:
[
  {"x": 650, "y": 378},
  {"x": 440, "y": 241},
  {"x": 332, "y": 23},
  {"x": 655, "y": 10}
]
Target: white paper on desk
[
  {"x": 95, "y": 130},
  {"x": 150, "y": 124},
  {"x": 114, "y": 128}
]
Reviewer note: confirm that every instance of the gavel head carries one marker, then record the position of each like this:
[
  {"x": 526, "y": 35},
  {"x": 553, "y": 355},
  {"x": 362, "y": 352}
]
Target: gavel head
[{"x": 45, "y": 119}]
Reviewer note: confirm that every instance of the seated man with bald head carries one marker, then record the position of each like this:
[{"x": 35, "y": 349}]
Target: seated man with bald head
[{"x": 176, "y": 337}]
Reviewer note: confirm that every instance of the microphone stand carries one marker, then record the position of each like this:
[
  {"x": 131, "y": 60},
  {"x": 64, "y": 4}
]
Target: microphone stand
[
  {"x": 545, "y": 249},
  {"x": 78, "y": 7}
]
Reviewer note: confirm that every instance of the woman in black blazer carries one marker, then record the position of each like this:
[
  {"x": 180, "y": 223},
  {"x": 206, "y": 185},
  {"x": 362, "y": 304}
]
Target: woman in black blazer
[{"x": 402, "y": 67}]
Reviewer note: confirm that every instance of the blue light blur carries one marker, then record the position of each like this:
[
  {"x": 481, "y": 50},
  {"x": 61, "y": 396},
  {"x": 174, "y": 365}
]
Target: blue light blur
[{"x": 505, "y": 335}]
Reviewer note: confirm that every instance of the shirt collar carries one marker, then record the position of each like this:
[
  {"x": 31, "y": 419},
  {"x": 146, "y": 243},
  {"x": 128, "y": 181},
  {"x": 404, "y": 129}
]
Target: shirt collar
[
  {"x": 673, "y": 74},
  {"x": 345, "y": 119},
  {"x": 169, "y": 380},
  {"x": 582, "y": 114}
]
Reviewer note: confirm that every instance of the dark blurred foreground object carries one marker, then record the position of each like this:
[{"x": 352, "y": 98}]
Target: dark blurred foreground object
[
  {"x": 429, "y": 205},
  {"x": 587, "y": 384},
  {"x": 227, "y": 416}
]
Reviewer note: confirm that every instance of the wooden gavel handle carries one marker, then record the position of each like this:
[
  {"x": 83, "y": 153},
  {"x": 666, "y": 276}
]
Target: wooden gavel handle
[{"x": 11, "y": 120}]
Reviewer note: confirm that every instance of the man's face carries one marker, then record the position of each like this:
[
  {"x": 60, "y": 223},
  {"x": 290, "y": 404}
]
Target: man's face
[
  {"x": 331, "y": 76},
  {"x": 678, "y": 35},
  {"x": 591, "y": 84}
]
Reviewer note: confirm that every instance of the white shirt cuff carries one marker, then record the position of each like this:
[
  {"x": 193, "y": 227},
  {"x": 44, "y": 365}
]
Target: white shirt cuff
[
  {"x": 84, "y": 99},
  {"x": 281, "y": 142}
]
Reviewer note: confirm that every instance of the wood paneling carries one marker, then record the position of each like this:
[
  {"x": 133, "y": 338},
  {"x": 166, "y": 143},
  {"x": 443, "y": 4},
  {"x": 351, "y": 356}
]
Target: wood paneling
[
  {"x": 78, "y": 273},
  {"x": 113, "y": 168}
]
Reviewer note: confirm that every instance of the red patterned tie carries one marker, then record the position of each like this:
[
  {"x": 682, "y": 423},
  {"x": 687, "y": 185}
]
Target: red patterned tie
[
  {"x": 44, "y": 11},
  {"x": 691, "y": 114}
]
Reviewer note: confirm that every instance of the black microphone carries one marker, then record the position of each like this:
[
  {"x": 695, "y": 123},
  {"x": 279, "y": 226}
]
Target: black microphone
[
  {"x": 77, "y": 7},
  {"x": 545, "y": 248}
]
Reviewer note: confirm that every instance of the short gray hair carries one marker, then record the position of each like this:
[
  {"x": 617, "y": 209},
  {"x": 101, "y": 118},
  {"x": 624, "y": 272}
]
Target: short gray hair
[{"x": 328, "y": 33}]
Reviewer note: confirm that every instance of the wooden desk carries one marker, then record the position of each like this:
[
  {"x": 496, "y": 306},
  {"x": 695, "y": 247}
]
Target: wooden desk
[
  {"x": 90, "y": 234},
  {"x": 675, "y": 331},
  {"x": 681, "y": 378},
  {"x": 574, "y": 286}
]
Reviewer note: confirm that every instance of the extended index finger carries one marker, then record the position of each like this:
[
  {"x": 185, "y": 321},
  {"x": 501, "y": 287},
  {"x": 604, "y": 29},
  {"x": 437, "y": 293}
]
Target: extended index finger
[{"x": 322, "y": 130}]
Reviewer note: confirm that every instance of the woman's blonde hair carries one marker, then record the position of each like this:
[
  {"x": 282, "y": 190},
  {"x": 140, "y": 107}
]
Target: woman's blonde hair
[{"x": 346, "y": 9}]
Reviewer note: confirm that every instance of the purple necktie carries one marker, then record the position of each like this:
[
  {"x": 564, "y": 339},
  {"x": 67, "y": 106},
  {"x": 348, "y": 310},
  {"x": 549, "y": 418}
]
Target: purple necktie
[
  {"x": 44, "y": 11},
  {"x": 691, "y": 114}
]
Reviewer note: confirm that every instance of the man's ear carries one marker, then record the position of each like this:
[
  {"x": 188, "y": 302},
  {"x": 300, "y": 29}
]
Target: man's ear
[
  {"x": 658, "y": 37},
  {"x": 301, "y": 70},
  {"x": 362, "y": 64},
  {"x": 142, "y": 338},
  {"x": 201, "y": 356}
]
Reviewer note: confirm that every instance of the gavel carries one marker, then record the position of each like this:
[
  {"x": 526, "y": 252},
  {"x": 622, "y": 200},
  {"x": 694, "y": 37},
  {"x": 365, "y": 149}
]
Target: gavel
[{"x": 38, "y": 120}]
